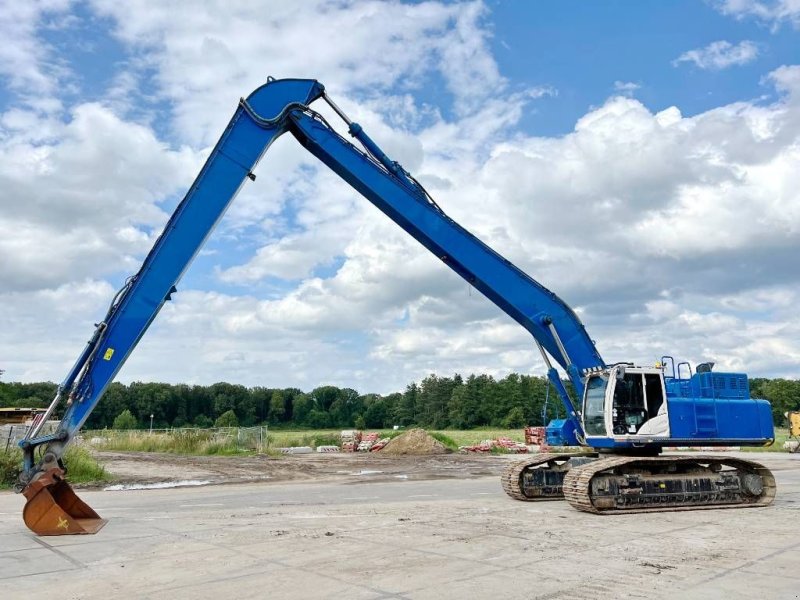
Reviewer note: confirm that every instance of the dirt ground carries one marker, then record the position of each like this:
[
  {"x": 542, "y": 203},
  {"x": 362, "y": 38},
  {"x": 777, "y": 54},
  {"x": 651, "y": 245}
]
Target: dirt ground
[{"x": 152, "y": 468}]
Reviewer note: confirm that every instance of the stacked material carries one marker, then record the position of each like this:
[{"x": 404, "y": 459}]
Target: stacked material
[
  {"x": 368, "y": 441},
  {"x": 350, "y": 439},
  {"x": 414, "y": 441},
  {"x": 505, "y": 443},
  {"x": 534, "y": 436},
  {"x": 379, "y": 445}
]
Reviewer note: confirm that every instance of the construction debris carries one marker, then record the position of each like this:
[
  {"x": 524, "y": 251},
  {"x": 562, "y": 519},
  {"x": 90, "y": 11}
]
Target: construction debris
[
  {"x": 353, "y": 440},
  {"x": 350, "y": 439},
  {"x": 367, "y": 441},
  {"x": 325, "y": 449},
  {"x": 535, "y": 436},
  {"x": 380, "y": 444},
  {"x": 416, "y": 442},
  {"x": 296, "y": 450},
  {"x": 503, "y": 443}
]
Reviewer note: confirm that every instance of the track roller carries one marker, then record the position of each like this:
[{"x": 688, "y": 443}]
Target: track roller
[
  {"x": 540, "y": 478},
  {"x": 624, "y": 484}
]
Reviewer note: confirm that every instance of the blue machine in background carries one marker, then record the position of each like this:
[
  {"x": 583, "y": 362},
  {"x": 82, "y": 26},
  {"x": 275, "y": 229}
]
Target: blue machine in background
[
  {"x": 619, "y": 407},
  {"x": 561, "y": 432}
]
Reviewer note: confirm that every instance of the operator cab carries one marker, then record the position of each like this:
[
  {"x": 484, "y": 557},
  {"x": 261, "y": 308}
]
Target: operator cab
[{"x": 626, "y": 402}]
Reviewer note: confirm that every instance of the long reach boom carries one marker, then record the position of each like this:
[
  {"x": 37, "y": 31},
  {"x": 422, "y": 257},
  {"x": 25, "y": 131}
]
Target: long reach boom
[{"x": 270, "y": 111}]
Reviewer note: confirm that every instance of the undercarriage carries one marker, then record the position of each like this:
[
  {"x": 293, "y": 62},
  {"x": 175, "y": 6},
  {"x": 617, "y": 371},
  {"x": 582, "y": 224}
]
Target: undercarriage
[{"x": 614, "y": 484}]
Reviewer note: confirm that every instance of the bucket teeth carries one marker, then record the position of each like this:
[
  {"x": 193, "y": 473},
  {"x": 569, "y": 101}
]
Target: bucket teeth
[{"x": 53, "y": 508}]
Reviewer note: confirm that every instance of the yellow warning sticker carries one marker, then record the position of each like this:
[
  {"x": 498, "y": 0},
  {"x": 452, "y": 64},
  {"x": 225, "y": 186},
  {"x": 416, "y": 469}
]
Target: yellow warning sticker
[{"x": 109, "y": 353}]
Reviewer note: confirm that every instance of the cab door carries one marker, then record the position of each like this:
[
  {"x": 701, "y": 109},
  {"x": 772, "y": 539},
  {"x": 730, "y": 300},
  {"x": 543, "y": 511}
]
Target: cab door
[
  {"x": 594, "y": 406},
  {"x": 638, "y": 405}
]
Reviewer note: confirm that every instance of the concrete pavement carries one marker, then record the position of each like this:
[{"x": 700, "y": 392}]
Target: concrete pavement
[{"x": 402, "y": 539}]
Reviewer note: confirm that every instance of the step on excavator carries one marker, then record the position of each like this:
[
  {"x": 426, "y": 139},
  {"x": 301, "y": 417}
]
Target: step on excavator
[{"x": 622, "y": 416}]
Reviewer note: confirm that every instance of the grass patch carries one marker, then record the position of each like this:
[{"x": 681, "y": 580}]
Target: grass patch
[
  {"x": 10, "y": 463},
  {"x": 202, "y": 441},
  {"x": 450, "y": 438},
  {"x": 81, "y": 467},
  {"x": 207, "y": 442},
  {"x": 304, "y": 437},
  {"x": 182, "y": 441},
  {"x": 446, "y": 440},
  {"x": 471, "y": 437},
  {"x": 781, "y": 435}
]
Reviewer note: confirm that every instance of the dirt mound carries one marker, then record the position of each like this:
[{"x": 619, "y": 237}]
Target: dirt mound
[{"x": 414, "y": 441}]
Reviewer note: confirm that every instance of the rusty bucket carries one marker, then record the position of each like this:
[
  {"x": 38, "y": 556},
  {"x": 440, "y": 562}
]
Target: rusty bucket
[{"x": 53, "y": 508}]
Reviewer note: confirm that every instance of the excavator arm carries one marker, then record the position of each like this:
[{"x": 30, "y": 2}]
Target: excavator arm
[{"x": 271, "y": 110}]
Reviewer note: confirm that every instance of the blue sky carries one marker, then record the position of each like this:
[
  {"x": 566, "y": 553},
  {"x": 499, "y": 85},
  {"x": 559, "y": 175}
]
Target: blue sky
[
  {"x": 583, "y": 48},
  {"x": 636, "y": 157},
  {"x": 580, "y": 49}
]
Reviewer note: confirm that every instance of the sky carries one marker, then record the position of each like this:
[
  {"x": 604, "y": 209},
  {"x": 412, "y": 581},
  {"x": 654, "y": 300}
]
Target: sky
[{"x": 640, "y": 159}]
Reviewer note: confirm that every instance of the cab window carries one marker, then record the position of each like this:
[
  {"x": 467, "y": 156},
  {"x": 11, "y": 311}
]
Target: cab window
[
  {"x": 628, "y": 411},
  {"x": 594, "y": 420}
]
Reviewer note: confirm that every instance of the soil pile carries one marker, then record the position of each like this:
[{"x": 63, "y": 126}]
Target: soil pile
[{"x": 414, "y": 442}]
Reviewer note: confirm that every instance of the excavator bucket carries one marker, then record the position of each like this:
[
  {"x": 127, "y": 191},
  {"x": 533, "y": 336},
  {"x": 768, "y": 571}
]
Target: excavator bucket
[{"x": 53, "y": 508}]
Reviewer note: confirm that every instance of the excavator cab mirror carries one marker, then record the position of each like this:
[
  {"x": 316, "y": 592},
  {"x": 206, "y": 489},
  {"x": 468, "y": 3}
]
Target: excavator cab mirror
[{"x": 620, "y": 372}]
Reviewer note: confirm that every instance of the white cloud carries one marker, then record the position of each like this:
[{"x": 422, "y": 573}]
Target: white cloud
[
  {"x": 626, "y": 88},
  {"x": 772, "y": 12},
  {"x": 43, "y": 331},
  {"x": 720, "y": 55},
  {"x": 81, "y": 198},
  {"x": 30, "y": 65},
  {"x": 669, "y": 234},
  {"x": 206, "y": 58}
]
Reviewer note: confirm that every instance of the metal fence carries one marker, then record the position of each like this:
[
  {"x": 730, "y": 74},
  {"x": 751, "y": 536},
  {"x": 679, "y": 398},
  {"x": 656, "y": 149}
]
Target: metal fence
[
  {"x": 243, "y": 438},
  {"x": 10, "y": 435}
]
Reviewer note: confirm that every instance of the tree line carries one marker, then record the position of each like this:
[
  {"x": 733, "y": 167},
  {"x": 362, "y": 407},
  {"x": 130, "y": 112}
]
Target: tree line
[{"x": 435, "y": 403}]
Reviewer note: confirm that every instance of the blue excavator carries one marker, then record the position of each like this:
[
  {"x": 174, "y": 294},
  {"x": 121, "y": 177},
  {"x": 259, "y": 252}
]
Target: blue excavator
[{"x": 622, "y": 415}]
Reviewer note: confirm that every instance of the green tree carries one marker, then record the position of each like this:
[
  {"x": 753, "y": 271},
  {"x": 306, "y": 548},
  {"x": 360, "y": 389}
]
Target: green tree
[
  {"x": 345, "y": 407},
  {"x": 784, "y": 396},
  {"x": 405, "y": 407},
  {"x": 261, "y": 397},
  {"x": 227, "y": 419},
  {"x": 470, "y": 403},
  {"x": 302, "y": 407},
  {"x": 359, "y": 423},
  {"x": 515, "y": 418},
  {"x": 277, "y": 407},
  {"x": 434, "y": 395},
  {"x": 203, "y": 421},
  {"x": 376, "y": 414},
  {"x": 318, "y": 419},
  {"x": 324, "y": 396},
  {"x": 125, "y": 420},
  {"x": 236, "y": 398},
  {"x": 115, "y": 400}
]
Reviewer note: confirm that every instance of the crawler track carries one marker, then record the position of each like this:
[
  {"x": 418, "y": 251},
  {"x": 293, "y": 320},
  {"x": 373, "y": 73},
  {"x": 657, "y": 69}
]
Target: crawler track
[
  {"x": 512, "y": 477},
  {"x": 624, "y": 484}
]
